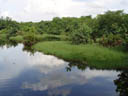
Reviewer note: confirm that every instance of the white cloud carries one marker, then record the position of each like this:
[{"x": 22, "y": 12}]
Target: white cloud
[
  {"x": 36, "y": 10},
  {"x": 5, "y": 14}
]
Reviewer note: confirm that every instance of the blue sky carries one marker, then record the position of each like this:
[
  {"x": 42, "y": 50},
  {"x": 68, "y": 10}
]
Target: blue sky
[{"x": 36, "y": 10}]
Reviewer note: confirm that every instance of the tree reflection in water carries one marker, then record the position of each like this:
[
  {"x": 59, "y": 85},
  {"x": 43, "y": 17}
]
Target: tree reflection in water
[
  {"x": 29, "y": 49},
  {"x": 80, "y": 66},
  {"x": 122, "y": 83}
]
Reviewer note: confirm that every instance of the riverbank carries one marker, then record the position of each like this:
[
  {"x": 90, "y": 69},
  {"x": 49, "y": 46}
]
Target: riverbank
[{"x": 93, "y": 55}]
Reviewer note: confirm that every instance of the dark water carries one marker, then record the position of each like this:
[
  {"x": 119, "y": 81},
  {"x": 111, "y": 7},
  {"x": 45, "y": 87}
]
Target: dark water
[{"x": 24, "y": 74}]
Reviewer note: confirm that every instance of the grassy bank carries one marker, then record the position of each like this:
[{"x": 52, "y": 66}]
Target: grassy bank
[{"x": 93, "y": 55}]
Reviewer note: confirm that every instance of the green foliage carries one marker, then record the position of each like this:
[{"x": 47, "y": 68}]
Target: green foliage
[
  {"x": 3, "y": 38},
  {"x": 38, "y": 38},
  {"x": 126, "y": 42},
  {"x": 29, "y": 39},
  {"x": 111, "y": 40},
  {"x": 111, "y": 22},
  {"x": 81, "y": 35},
  {"x": 47, "y": 37},
  {"x": 109, "y": 29},
  {"x": 64, "y": 38},
  {"x": 50, "y": 37},
  {"x": 12, "y": 31},
  {"x": 17, "y": 39}
]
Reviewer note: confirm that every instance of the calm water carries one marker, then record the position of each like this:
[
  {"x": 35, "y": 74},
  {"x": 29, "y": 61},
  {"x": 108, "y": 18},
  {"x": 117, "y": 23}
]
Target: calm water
[{"x": 24, "y": 74}]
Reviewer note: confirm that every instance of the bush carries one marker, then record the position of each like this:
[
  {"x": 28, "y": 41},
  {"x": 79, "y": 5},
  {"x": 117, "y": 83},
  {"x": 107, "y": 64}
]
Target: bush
[
  {"x": 29, "y": 39},
  {"x": 81, "y": 35},
  {"x": 126, "y": 43},
  {"x": 111, "y": 40}
]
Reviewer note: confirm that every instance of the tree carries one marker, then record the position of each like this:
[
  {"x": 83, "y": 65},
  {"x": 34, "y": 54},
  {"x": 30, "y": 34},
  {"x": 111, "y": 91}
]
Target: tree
[
  {"x": 111, "y": 22},
  {"x": 81, "y": 35},
  {"x": 29, "y": 37}
]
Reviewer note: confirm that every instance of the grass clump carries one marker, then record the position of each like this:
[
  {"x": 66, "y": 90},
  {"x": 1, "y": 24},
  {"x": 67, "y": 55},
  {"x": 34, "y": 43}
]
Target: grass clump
[
  {"x": 17, "y": 39},
  {"x": 3, "y": 38}
]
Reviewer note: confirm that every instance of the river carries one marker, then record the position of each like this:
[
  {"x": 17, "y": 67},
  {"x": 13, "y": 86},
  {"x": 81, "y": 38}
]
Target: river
[{"x": 25, "y": 74}]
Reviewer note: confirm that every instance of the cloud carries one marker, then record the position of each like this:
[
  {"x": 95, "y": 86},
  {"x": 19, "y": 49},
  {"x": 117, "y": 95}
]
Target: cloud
[
  {"x": 36, "y": 10},
  {"x": 5, "y": 14}
]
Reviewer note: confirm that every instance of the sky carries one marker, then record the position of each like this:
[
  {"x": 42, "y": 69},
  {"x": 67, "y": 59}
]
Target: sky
[{"x": 37, "y": 10}]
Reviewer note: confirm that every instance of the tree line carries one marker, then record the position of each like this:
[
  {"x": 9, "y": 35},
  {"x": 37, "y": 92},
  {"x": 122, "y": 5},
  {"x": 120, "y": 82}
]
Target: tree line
[{"x": 109, "y": 29}]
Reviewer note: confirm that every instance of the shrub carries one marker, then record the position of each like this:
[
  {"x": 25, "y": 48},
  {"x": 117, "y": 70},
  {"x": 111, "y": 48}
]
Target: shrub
[
  {"x": 111, "y": 40},
  {"x": 81, "y": 35},
  {"x": 29, "y": 40},
  {"x": 126, "y": 43}
]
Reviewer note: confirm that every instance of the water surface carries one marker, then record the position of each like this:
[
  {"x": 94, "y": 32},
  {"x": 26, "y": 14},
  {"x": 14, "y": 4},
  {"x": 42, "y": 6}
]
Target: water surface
[{"x": 26, "y": 74}]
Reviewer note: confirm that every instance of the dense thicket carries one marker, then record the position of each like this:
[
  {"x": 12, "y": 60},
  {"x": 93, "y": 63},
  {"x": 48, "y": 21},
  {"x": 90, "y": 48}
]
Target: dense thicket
[{"x": 109, "y": 29}]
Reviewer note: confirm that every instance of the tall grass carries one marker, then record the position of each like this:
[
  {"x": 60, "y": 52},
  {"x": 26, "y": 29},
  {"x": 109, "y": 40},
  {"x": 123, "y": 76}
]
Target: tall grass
[
  {"x": 50, "y": 37},
  {"x": 3, "y": 39},
  {"x": 17, "y": 39},
  {"x": 93, "y": 55}
]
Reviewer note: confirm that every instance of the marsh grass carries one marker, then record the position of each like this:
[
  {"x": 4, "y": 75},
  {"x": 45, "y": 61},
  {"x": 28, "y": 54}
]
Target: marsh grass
[
  {"x": 49, "y": 37},
  {"x": 3, "y": 38},
  {"x": 17, "y": 39},
  {"x": 93, "y": 55}
]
